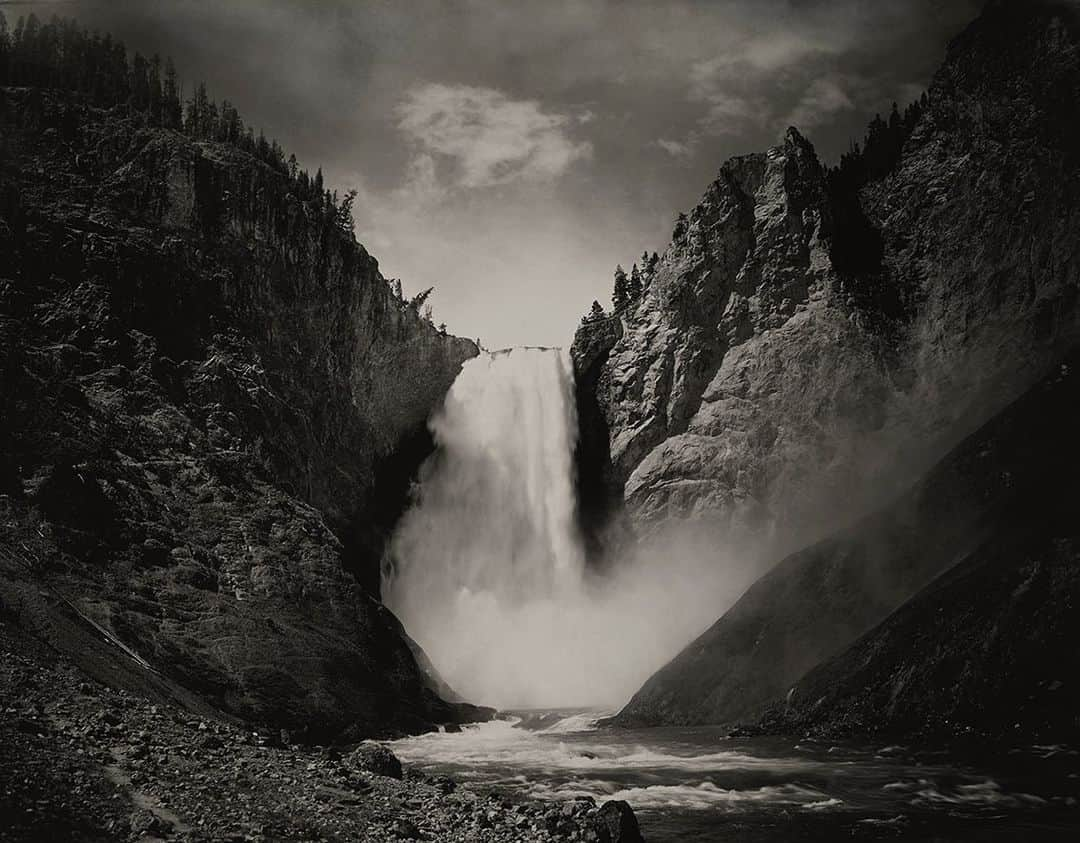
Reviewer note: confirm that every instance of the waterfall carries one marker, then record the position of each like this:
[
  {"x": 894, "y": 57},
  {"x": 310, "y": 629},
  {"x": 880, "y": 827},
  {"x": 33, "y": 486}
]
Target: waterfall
[
  {"x": 486, "y": 570},
  {"x": 491, "y": 547}
]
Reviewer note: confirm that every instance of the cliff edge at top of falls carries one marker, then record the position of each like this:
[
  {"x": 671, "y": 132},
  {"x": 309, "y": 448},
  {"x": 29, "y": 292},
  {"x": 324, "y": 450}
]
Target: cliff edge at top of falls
[
  {"x": 806, "y": 347},
  {"x": 212, "y": 405}
]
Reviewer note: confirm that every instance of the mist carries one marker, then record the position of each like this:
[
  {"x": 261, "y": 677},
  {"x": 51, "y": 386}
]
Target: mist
[{"x": 487, "y": 570}]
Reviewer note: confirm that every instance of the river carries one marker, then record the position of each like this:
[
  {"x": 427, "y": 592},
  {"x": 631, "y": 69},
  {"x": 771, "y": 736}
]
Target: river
[{"x": 697, "y": 784}]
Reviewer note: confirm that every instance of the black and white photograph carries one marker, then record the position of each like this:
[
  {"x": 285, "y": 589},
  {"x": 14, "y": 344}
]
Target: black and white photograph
[{"x": 505, "y": 421}]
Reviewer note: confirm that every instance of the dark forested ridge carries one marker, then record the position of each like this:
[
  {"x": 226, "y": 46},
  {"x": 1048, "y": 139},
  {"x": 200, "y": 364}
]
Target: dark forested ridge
[
  {"x": 212, "y": 401},
  {"x": 61, "y": 55}
]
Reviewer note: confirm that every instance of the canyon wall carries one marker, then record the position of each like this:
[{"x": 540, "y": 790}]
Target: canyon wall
[
  {"x": 799, "y": 359},
  {"x": 213, "y": 405},
  {"x": 767, "y": 387}
]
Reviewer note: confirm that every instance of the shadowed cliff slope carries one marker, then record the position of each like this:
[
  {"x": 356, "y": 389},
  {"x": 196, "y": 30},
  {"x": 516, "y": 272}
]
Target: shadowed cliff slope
[
  {"x": 996, "y": 497},
  {"x": 212, "y": 403},
  {"x": 986, "y": 650}
]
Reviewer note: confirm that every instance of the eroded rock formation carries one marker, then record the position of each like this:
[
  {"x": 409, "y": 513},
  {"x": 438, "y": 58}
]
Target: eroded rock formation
[{"x": 755, "y": 386}]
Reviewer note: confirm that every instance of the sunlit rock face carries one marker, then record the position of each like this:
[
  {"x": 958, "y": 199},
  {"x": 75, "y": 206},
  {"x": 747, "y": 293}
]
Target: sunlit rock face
[
  {"x": 756, "y": 387},
  {"x": 833, "y": 390}
]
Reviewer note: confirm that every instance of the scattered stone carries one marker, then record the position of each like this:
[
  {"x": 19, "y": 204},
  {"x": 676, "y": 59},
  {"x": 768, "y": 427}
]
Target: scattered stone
[
  {"x": 144, "y": 823},
  {"x": 405, "y": 830}
]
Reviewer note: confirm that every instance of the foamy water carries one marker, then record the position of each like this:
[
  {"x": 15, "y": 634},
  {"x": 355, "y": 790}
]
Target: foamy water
[{"x": 687, "y": 783}]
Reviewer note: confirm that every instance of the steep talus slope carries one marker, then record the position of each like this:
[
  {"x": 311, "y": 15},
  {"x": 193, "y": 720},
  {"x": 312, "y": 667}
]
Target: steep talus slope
[
  {"x": 757, "y": 387},
  {"x": 989, "y": 647},
  {"x": 997, "y": 490},
  {"x": 212, "y": 403},
  {"x": 831, "y": 401},
  {"x": 987, "y": 650}
]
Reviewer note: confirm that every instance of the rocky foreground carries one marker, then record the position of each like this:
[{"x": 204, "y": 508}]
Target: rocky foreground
[{"x": 86, "y": 762}]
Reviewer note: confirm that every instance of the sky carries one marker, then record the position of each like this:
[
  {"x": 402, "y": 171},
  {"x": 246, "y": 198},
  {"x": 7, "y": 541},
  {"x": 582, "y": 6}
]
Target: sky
[{"x": 510, "y": 154}]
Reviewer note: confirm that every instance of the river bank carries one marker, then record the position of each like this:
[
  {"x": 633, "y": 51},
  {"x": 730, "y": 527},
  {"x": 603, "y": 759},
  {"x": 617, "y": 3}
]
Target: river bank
[{"x": 85, "y": 762}]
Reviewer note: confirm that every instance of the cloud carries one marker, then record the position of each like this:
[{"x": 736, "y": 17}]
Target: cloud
[
  {"x": 723, "y": 86},
  {"x": 820, "y": 103},
  {"x": 488, "y": 138},
  {"x": 679, "y": 149}
]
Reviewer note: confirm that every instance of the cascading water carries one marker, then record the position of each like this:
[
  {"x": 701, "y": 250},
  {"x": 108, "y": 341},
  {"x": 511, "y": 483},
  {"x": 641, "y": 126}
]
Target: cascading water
[
  {"x": 491, "y": 550},
  {"x": 487, "y": 571}
]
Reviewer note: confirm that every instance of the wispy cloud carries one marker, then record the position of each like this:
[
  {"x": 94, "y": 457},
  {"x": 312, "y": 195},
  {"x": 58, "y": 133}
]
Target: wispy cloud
[
  {"x": 679, "y": 149},
  {"x": 486, "y": 138},
  {"x": 822, "y": 100},
  {"x": 720, "y": 84}
]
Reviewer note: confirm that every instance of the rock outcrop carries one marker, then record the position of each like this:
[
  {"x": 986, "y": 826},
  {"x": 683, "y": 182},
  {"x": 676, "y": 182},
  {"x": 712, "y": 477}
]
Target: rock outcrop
[
  {"x": 759, "y": 388},
  {"x": 212, "y": 404}
]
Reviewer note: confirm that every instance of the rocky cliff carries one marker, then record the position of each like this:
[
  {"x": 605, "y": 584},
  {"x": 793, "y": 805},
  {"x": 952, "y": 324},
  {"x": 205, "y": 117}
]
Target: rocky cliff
[
  {"x": 765, "y": 385},
  {"x": 799, "y": 358},
  {"x": 212, "y": 405}
]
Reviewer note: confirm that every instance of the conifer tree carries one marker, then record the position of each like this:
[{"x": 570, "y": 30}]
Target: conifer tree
[
  {"x": 155, "y": 99},
  {"x": 417, "y": 301},
  {"x": 171, "y": 117},
  {"x": 344, "y": 212},
  {"x": 140, "y": 83},
  {"x": 634, "y": 285},
  {"x": 5, "y": 49},
  {"x": 620, "y": 295}
]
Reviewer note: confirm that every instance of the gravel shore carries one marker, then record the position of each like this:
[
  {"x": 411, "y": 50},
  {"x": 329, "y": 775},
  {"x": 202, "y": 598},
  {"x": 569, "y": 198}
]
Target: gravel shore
[{"x": 86, "y": 762}]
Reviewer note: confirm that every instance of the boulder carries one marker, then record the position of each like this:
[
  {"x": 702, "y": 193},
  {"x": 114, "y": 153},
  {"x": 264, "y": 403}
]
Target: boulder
[
  {"x": 377, "y": 759},
  {"x": 615, "y": 822}
]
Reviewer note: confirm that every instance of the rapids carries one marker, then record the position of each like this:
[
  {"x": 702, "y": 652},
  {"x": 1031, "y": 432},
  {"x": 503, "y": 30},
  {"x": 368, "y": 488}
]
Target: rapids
[{"x": 696, "y": 784}]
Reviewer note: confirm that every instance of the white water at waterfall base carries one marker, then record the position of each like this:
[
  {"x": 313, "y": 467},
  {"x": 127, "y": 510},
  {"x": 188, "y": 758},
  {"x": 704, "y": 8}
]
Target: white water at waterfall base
[
  {"x": 697, "y": 784},
  {"x": 487, "y": 569}
]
